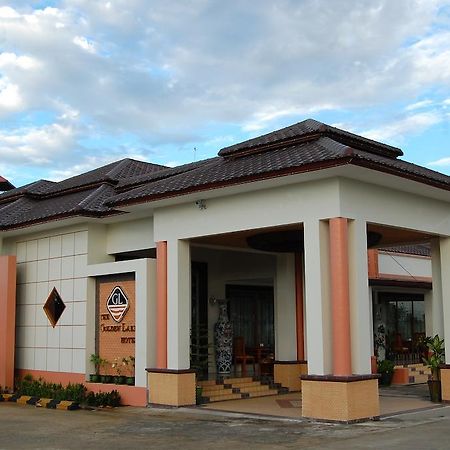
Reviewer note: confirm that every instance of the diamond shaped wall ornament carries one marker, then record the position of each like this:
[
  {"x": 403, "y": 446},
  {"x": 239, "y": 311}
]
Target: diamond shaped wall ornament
[
  {"x": 54, "y": 307},
  {"x": 117, "y": 304}
]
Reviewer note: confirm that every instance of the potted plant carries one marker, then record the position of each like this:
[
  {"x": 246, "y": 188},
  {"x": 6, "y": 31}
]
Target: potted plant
[
  {"x": 117, "y": 365},
  {"x": 98, "y": 362},
  {"x": 130, "y": 363},
  {"x": 436, "y": 357},
  {"x": 198, "y": 395},
  {"x": 105, "y": 378},
  {"x": 386, "y": 369}
]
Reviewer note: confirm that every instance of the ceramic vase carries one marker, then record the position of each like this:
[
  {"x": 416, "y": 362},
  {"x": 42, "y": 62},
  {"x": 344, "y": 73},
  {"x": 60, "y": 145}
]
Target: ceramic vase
[{"x": 223, "y": 340}]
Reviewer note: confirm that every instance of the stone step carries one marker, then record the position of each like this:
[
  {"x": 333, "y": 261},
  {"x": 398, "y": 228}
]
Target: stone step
[
  {"x": 259, "y": 388},
  {"x": 247, "y": 384},
  {"x": 220, "y": 393},
  {"x": 215, "y": 388},
  {"x": 263, "y": 394},
  {"x": 221, "y": 398},
  {"x": 238, "y": 380},
  {"x": 237, "y": 388},
  {"x": 207, "y": 383}
]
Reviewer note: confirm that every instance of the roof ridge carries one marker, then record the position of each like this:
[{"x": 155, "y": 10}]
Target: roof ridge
[
  {"x": 305, "y": 131},
  {"x": 111, "y": 201},
  {"x": 168, "y": 172},
  {"x": 92, "y": 197}
]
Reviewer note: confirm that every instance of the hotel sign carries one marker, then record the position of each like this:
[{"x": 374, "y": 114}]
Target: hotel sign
[
  {"x": 117, "y": 304},
  {"x": 116, "y": 317}
]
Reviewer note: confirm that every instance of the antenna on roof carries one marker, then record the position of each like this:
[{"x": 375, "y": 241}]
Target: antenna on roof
[{"x": 195, "y": 154}]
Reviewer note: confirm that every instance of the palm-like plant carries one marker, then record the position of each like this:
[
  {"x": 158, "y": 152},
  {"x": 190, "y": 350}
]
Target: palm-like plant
[{"x": 436, "y": 355}]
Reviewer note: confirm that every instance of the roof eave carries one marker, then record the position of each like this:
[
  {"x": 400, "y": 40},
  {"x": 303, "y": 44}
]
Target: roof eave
[{"x": 349, "y": 159}]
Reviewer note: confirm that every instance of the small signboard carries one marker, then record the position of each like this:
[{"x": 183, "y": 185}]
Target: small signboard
[{"x": 117, "y": 304}]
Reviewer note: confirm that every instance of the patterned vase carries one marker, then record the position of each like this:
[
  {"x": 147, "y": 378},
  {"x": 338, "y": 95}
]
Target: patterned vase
[{"x": 223, "y": 339}]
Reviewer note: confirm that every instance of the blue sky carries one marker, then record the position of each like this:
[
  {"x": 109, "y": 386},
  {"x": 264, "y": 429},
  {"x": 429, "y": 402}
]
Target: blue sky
[{"x": 83, "y": 83}]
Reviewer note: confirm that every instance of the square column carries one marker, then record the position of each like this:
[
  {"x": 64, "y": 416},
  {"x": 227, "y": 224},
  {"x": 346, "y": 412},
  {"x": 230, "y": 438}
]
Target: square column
[
  {"x": 178, "y": 304},
  {"x": 174, "y": 384},
  {"x": 433, "y": 301},
  {"x": 7, "y": 320},
  {"x": 161, "y": 305},
  {"x": 361, "y": 327},
  {"x": 285, "y": 309},
  {"x": 287, "y": 367},
  {"x": 317, "y": 298},
  {"x": 337, "y": 296},
  {"x": 444, "y": 285}
]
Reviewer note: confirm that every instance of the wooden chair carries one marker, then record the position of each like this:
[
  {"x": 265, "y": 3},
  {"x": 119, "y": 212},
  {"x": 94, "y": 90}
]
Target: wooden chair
[{"x": 240, "y": 356}]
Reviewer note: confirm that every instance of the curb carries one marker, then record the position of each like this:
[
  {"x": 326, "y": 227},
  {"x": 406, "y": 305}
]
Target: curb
[{"x": 40, "y": 402}]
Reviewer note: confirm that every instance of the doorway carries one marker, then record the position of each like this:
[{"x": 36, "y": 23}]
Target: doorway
[
  {"x": 251, "y": 311},
  {"x": 403, "y": 315}
]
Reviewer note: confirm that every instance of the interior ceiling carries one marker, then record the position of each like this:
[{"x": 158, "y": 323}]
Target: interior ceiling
[
  {"x": 239, "y": 238},
  {"x": 397, "y": 236},
  {"x": 390, "y": 236}
]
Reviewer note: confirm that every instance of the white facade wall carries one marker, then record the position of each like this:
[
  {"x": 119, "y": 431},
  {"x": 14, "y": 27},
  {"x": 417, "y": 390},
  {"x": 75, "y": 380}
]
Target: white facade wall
[
  {"x": 130, "y": 235},
  {"x": 404, "y": 265},
  {"x": 57, "y": 260}
]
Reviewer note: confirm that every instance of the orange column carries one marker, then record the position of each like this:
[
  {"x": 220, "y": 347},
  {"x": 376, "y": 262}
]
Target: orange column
[
  {"x": 161, "y": 306},
  {"x": 299, "y": 307},
  {"x": 372, "y": 257},
  {"x": 340, "y": 302},
  {"x": 7, "y": 319}
]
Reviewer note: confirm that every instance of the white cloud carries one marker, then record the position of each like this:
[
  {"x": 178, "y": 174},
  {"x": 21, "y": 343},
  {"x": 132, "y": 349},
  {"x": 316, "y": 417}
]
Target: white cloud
[
  {"x": 84, "y": 43},
  {"x": 443, "y": 162},
  {"x": 7, "y": 12},
  {"x": 160, "y": 70},
  {"x": 36, "y": 145},
  {"x": 419, "y": 105},
  {"x": 397, "y": 129},
  {"x": 8, "y": 60},
  {"x": 10, "y": 98}
]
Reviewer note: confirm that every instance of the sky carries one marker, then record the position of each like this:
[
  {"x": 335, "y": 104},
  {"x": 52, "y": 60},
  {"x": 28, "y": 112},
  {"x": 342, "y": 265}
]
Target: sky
[{"x": 87, "y": 82}]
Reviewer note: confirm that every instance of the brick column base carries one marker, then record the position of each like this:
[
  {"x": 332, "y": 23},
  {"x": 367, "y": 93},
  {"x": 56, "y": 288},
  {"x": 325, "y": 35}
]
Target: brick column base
[
  {"x": 445, "y": 382},
  {"x": 171, "y": 387},
  {"x": 288, "y": 373},
  {"x": 339, "y": 398}
]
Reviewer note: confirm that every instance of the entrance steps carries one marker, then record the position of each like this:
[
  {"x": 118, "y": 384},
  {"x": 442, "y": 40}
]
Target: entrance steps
[{"x": 237, "y": 388}]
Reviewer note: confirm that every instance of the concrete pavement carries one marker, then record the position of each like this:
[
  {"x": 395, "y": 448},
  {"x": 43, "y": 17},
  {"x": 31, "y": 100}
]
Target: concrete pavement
[{"x": 27, "y": 427}]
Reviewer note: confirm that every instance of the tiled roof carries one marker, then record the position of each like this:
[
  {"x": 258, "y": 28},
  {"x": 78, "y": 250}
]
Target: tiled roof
[
  {"x": 5, "y": 185},
  {"x": 111, "y": 173},
  {"x": 309, "y": 129},
  {"x": 306, "y": 146},
  {"x": 82, "y": 195},
  {"x": 284, "y": 160},
  {"x": 26, "y": 211},
  {"x": 414, "y": 249}
]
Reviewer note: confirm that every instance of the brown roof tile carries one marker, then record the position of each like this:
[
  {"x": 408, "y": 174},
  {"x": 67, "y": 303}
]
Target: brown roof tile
[
  {"x": 306, "y": 146},
  {"x": 309, "y": 129}
]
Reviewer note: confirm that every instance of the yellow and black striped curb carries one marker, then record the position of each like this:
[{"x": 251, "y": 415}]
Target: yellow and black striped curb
[{"x": 40, "y": 402}]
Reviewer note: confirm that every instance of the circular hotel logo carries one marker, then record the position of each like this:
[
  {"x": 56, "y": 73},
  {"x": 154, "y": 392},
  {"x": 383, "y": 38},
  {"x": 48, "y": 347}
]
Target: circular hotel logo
[{"x": 117, "y": 304}]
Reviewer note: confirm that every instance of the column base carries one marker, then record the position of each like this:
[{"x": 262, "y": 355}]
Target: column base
[
  {"x": 171, "y": 387},
  {"x": 339, "y": 398},
  {"x": 288, "y": 373},
  {"x": 445, "y": 382}
]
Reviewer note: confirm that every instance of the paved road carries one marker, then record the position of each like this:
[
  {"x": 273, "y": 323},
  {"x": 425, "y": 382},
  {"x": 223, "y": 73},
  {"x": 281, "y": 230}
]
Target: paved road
[{"x": 27, "y": 427}]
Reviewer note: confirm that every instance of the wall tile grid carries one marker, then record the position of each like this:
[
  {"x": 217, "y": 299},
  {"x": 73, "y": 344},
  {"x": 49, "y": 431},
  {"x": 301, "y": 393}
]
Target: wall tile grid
[{"x": 55, "y": 261}]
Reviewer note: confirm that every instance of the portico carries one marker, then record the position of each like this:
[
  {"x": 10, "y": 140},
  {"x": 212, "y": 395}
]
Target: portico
[{"x": 339, "y": 193}]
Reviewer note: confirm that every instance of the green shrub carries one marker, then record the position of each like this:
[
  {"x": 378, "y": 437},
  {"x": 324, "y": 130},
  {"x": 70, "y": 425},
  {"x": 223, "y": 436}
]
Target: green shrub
[
  {"x": 103, "y": 399},
  {"x": 40, "y": 388},
  {"x": 72, "y": 392},
  {"x": 385, "y": 366}
]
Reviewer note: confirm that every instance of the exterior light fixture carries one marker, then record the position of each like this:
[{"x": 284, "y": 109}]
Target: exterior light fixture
[{"x": 201, "y": 204}]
